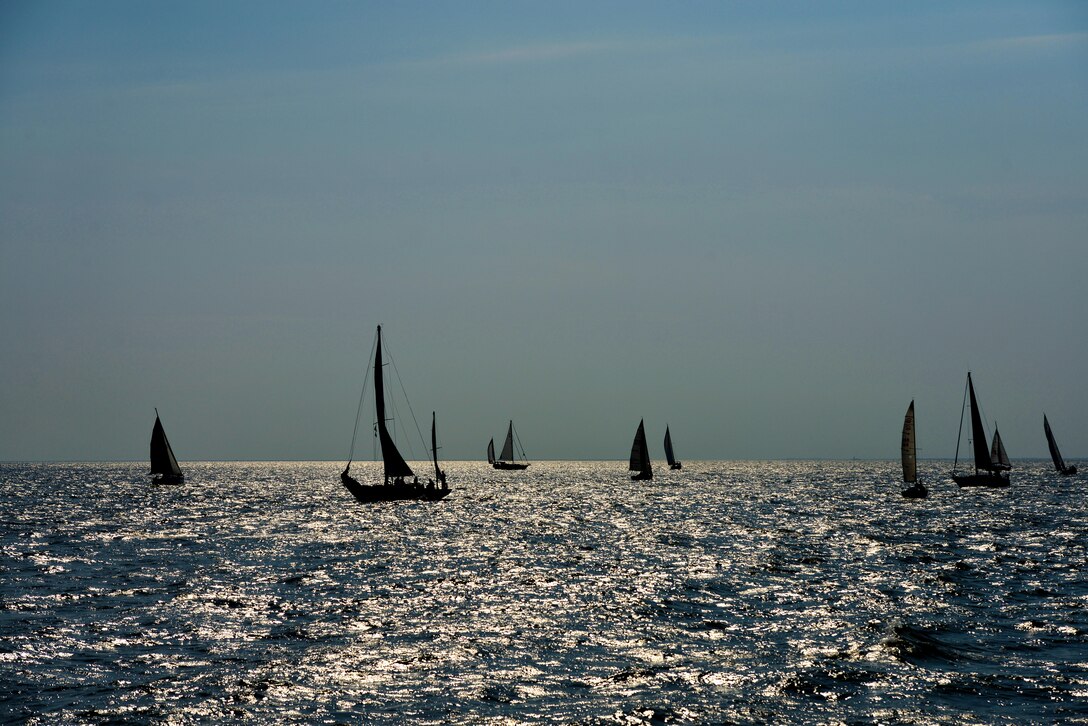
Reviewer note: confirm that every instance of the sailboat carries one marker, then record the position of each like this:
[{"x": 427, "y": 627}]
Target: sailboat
[
  {"x": 1059, "y": 462},
  {"x": 916, "y": 490},
  {"x": 506, "y": 458},
  {"x": 669, "y": 456},
  {"x": 163, "y": 463},
  {"x": 394, "y": 486},
  {"x": 998, "y": 456},
  {"x": 640, "y": 456},
  {"x": 988, "y": 467}
]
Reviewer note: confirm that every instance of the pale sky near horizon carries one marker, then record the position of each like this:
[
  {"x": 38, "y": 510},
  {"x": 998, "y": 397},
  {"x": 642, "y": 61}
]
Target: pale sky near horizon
[{"x": 769, "y": 225}]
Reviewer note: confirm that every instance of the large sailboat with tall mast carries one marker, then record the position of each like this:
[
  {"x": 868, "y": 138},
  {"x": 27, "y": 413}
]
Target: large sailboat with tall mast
[
  {"x": 395, "y": 485},
  {"x": 507, "y": 458},
  {"x": 640, "y": 456},
  {"x": 164, "y": 465},
  {"x": 909, "y": 451},
  {"x": 991, "y": 465},
  {"x": 669, "y": 455},
  {"x": 1059, "y": 463}
]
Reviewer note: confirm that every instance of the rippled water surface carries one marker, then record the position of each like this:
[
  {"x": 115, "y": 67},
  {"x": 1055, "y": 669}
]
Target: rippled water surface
[{"x": 729, "y": 592}]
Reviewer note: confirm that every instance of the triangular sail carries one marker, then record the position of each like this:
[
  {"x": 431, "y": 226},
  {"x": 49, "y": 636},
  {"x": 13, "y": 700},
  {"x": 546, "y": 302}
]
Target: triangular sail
[
  {"x": 1059, "y": 462},
  {"x": 998, "y": 456},
  {"x": 668, "y": 447},
  {"x": 978, "y": 434},
  {"x": 909, "y": 451},
  {"x": 162, "y": 456},
  {"x": 507, "y": 453},
  {"x": 394, "y": 463},
  {"x": 491, "y": 451},
  {"x": 640, "y": 453}
]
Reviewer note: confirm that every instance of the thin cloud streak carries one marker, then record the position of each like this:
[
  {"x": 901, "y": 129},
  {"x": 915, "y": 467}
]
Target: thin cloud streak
[
  {"x": 563, "y": 51},
  {"x": 1031, "y": 42}
]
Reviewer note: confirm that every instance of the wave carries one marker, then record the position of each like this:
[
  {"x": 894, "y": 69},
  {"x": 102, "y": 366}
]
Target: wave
[{"x": 921, "y": 647}]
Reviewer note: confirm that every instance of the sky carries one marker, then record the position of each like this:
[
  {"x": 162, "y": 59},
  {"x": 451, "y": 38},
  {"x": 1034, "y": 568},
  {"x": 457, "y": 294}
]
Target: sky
[{"x": 767, "y": 225}]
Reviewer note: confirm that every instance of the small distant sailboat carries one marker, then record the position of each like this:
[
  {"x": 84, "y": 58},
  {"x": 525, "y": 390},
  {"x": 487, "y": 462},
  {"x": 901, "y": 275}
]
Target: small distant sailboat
[
  {"x": 916, "y": 490},
  {"x": 640, "y": 456},
  {"x": 989, "y": 463},
  {"x": 669, "y": 456},
  {"x": 164, "y": 466},
  {"x": 395, "y": 486},
  {"x": 1059, "y": 462},
  {"x": 506, "y": 458},
  {"x": 998, "y": 456}
]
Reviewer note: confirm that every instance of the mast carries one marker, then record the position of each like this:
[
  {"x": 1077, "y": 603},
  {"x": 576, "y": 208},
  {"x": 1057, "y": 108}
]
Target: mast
[
  {"x": 910, "y": 459},
  {"x": 507, "y": 453},
  {"x": 394, "y": 463},
  {"x": 978, "y": 433},
  {"x": 162, "y": 457},
  {"x": 1055, "y": 455},
  {"x": 668, "y": 447}
]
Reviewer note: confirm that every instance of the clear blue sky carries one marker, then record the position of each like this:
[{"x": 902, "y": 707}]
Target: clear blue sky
[{"x": 770, "y": 225}]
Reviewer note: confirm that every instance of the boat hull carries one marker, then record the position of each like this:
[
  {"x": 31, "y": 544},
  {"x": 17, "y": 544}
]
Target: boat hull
[
  {"x": 677, "y": 466},
  {"x": 643, "y": 476},
  {"x": 369, "y": 494},
  {"x": 1069, "y": 471},
  {"x": 981, "y": 480},
  {"x": 509, "y": 465},
  {"x": 169, "y": 479},
  {"x": 915, "y": 492}
]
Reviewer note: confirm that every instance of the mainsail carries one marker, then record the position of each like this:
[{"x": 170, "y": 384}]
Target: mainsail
[
  {"x": 983, "y": 460},
  {"x": 1059, "y": 462},
  {"x": 491, "y": 451},
  {"x": 640, "y": 454},
  {"x": 162, "y": 456},
  {"x": 998, "y": 456},
  {"x": 507, "y": 453},
  {"x": 910, "y": 460},
  {"x": 668, "y": 447},
  {"x": 394, "y": 463}
]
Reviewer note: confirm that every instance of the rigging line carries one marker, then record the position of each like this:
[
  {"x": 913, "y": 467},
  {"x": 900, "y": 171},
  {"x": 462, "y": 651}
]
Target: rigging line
[
  {"x": 359, "y": 410},
  {"x": 409, "y": 402},
  {"x": 408, "y": 439},
  {"x": 518, "y": 439}
]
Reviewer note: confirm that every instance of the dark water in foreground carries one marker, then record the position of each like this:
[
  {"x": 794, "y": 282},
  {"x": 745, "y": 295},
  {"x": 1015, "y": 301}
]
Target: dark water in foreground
[{"x": 732, "y": 592}]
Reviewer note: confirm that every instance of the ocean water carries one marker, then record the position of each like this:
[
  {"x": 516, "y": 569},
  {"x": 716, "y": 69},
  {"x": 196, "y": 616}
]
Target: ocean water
[{"x": 731, "y": 592}]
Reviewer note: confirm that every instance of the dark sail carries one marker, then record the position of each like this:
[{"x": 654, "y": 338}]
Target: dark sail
[
  {"x": 162, "y": 456},
  {"x": 640, "y": 453},
  {"x": 507, "y": 453},
  {"x": 491, "y": 451},
  {"x": 668, "y": 447},
  {"x": 978, "y": 434},
  {"x": 998, "y": 457},
  {"x": 394, "y": 463},
  {"x": 910, "y": 461},
  {"x": 1059, "y": 463}
]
